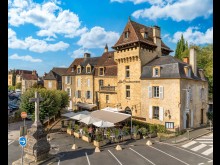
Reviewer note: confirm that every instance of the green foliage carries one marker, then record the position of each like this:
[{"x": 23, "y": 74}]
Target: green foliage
[
  {"x": 126, "y": 130},
  {"x": 36, "y": 85},
  {"x": 152, "y": 128},
  {"x": 143, "y": 130},
  {"x": 13, "y": 78},
  {"x": 76, "y": 128},
  {"x": 50, "y": 105},
  {"x": 18, "y": 85},
  {"x": 86, "y": 132},
  {"x": 161, "y": 129},
  {"x": 64, "y": 99},
  {"x": 181, "y": 48},
  {"x": 210, "y": 116},
  {"x": 11, "y": 88},
  {"x": 98, "y": 136}
]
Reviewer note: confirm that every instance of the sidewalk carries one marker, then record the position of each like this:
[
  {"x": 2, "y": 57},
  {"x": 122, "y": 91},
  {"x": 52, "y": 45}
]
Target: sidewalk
[{"x": 192, "y": 135}]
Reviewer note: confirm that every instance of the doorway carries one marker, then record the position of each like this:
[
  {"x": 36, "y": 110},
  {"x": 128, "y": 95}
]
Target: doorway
[
  {"x": 201, "y": 116},
  {"x": 187, "y": 120}
]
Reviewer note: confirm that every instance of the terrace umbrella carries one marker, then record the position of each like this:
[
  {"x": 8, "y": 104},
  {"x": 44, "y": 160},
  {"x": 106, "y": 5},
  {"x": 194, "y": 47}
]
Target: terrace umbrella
[
  {"x": 103, "y": 124},
  {"x": 79, "y": 116},
  {"x": 89, "y": 120},
  {"x": 71, "y": 114}
]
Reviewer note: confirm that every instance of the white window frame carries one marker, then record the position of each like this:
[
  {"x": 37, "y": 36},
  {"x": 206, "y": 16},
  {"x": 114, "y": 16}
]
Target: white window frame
[
  {"x": 68, "y": 80},
  {"x": 126, "y": 34},
  {"x": 88, "y": 82},
  {"x": 78, "y": 70},
  {"x": 154, "y": 115},
  {"x": 79, "y": 82},
  {"x": 154, "y": 72},
  {"x": 145, "y": 35},
  {"x": 100, "y": 72},
  {"x": 72, "y": 69},
  {"x": 68, "y": 91},
  {"x": 88, "y": 67},
  {"x": 157, "y": 89},
  {"x": 169, "y": 125}
]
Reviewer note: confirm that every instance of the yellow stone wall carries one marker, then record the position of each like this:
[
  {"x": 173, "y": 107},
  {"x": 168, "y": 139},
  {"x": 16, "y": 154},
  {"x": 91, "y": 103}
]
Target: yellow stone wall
[
  {"x": 9, "y": 79},
  {"x": 170, "y": 101},
  {"x": 18, "y": 79},
  {"x": 54, "y": 84},
  {"x": 72, "y": 87},
  {"x": 112, "y": 100},
  {"x": 26, "y": 84}
]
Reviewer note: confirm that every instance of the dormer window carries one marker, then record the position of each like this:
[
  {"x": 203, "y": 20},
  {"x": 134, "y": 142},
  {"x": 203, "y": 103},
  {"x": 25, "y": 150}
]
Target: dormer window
[
  {"x": 156, "y": 72},
  {"x": 79, "y": 69},
  {"x": 145, "y": 35},
  {"x": 126, "y": 34},
  {"x": 187, "y": 71},
  {"x": 101, "y": 71},
  {"x": 72, "y": 69},
  {"x": 88, "y": 68}
]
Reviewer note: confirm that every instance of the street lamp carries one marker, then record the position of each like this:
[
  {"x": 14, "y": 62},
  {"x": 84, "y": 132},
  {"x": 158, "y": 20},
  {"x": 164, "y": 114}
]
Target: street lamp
[{"x": 131, "y": 119}]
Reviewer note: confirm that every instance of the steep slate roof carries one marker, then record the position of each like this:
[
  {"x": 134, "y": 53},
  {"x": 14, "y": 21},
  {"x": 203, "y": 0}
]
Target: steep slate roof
[
  {"x": 29, "y": 76},
  {"x": 55, "y": 74},
  {"x": 135, "y": 30},
  {"x": 171, "y": 67},
  {"x": 83, "y": 62},
  {"x": 107, "y": 61}
]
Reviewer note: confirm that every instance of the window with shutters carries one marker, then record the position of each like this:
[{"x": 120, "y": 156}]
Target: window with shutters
[
  {"x": 145, "y": 35},
  {"x": 169, "y": 125},
  {"x": 156, "y": 71},
  {"x": 101, "y": 71},
  {"x": 127, "y": 71},
  {"x": 68, "y": 80},
  {"x": 79, "y": 69},
  {"x": 156, "y": 91},
  {"x": 107, "y": 98},
  {"x": 88, "y": 95},
  {"x": 155, "y": 112},
  {"x": 127, "y": 91},
  {"x": 187, "y": 71},
  {"x": 78, "y": 82},
  {"x": 72, "y": 69},
  {"x": 50, "y": 84}
]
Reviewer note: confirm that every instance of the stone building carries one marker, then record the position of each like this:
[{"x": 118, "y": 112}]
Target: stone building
[
  {"x": 18, "y": 76},
  {"x": 53, "y": 80},
  {"x": 141, "y": 78},
  {"x": 28, "y": 80}
]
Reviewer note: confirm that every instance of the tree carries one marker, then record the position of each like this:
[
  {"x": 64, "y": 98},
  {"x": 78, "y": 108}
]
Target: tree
[
  {"x": 18, "y": 85},
  {"x": 181, "y": 48},
  {"x": 51, "y": 105},
  {"x": 13, "y": 78},
  {"x": 36, "y": 85}
]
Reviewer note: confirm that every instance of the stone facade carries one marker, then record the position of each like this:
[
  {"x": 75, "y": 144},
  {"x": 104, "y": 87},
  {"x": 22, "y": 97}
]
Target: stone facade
[{"x": 50, "y": 84}]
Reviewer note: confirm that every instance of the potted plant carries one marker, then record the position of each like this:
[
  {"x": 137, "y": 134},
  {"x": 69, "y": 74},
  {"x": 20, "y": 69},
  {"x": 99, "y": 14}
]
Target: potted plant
[
  {"x": 136, "y": 134},
  {"x": 99, "y": 141},
  {"x": 152, "y": 131},
  {"x": 76, "y": 131},
  {"x": 85, "y": 136},
  {"x": 69, "y": 129},
  {"x": 126, "y": 133},
  {"x": 143, "y": 131}
]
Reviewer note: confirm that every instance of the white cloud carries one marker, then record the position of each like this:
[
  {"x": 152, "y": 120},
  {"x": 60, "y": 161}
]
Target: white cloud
[
  {"x": 79, "y": 52},
  {"x": 63, "y": 66},
  {"x": 32, "y": 44},
  {"x": 97, "y": 37},
  {"x": 24, "y": 58},
  {"x": 186, "y": 10},
  {"x": 192, "y": 35},
  {"x": 49, "y": 17},
  {"x": 141, "y": 1}
]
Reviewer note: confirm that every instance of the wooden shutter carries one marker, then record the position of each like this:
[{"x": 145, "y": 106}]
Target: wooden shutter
[
  {"x": 184, "y": 120},
  {"x": 187, "y": 99},
  {"x": 161, "y": 92},
  {"x": 77, "y": 94},
  {"x": 161, "y": 113},
  {"x": 65, "y": 79},
  {"x": 150, "y": 91},
  {"x": 192, "y": 118},
  {"x": 70, "y": 92},
  {"x": 90, "y": 94},
  {"x": 70, "y": 79},
  {"x": 150, "y": 112}
]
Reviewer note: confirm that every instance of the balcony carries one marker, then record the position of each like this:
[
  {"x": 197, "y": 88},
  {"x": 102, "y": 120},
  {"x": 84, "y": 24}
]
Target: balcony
[{"x": 107, "y": 89}]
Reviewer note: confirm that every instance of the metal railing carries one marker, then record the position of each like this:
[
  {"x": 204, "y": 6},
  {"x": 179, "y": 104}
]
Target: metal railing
[{"x": 107, "y": 88}]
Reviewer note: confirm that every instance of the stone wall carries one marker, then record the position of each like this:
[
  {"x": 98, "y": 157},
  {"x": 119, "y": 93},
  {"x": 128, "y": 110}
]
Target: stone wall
[{"x": 54, "y": 84}]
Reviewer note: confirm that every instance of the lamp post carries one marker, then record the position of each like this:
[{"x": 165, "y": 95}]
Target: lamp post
[{"x": 131, "y": 119}]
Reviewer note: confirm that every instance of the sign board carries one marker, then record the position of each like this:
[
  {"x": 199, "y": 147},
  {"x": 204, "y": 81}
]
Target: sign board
[
  {"x": 23, "y": 141},
  {"x": 23, "y": 115},
  {"x": 23, "y": 131}
]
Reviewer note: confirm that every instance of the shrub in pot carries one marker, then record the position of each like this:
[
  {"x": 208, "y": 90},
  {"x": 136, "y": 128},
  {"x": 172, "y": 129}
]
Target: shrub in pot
[
  {"x": 152, "y": 131},
  {"x": 143, "y": 131}
]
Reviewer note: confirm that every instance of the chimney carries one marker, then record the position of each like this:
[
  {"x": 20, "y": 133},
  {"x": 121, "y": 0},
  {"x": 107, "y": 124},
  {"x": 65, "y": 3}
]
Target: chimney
[
  {"x": 186, "y": 60},
  {"x": 157, "y": 39},
  {"x": 34, "y": 72},
  {"x": 86, "y": 55},
  {"x": 106, "y": 48},
  {"x": 192, "y": 60}
]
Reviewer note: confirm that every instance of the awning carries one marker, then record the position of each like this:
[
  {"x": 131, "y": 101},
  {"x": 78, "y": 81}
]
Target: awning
[
  {"x": 112, "y": 109},
  {"x": 86, "y": 106},
  {"x": 113, "y": 117}
]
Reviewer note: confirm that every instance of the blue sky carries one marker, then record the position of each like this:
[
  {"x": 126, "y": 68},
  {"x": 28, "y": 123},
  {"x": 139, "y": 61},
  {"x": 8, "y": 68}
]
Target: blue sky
[{"x": 43, "y": 34}]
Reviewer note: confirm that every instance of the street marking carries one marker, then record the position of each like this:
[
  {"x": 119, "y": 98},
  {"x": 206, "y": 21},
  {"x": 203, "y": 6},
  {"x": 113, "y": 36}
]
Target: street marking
[
  {"x": 169, "y": 155},
  {"x": 200, "y": 163},
  {"x": 115, "y": 157},
  {"x": 87, "y": 158},
  {"x": 204, "y": 139},
  {"x": 188, "y": 151},
  {"x": 58, "y": 162},
  {"x": 198, "y": 147},
  {"x": 208, "y": 151},
  {"x": 142, "y": 156},
  {"x": 210, "y": 161},
  {"x": 188, "y": 144},
  {"x": 10, "y": 142},
  {"x": 205, "y": 142}
]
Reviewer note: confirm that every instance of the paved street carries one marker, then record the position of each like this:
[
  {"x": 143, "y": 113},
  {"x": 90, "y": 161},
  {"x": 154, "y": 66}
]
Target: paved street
[
  {"x": 202, "y": 145},
  {"x": 134, "y": 152}
]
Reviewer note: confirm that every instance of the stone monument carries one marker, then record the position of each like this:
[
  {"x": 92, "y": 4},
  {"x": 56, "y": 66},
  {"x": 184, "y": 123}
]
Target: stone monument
[{"x": 37, "y": 148}]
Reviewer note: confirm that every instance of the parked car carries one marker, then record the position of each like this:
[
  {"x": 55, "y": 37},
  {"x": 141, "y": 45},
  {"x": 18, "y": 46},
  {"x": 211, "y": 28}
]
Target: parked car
[{"x": 17, "y": 91}]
